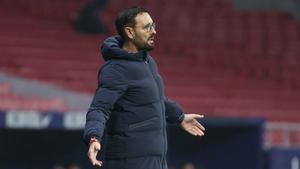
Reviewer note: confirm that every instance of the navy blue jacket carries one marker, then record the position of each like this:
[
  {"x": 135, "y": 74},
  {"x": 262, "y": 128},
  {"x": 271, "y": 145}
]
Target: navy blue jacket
[{"x": 130, "y": 104}]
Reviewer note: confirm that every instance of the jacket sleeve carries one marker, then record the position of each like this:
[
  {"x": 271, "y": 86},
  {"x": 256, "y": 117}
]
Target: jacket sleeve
[
  {"x": 174, "y": 113},
  {"x": 111, "y": 86}
]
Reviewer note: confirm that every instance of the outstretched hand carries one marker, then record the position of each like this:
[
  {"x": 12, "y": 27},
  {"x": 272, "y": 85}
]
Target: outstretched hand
[
  {"x": 191, "y": 125},
  {"x": 92, "y": 153}
]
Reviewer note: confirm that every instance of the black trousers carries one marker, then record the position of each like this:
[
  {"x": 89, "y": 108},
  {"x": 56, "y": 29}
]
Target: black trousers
[{"x": 148, "y": 162}]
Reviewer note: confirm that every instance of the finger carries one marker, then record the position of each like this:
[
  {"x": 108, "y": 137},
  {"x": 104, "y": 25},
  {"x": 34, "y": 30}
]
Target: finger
[
  {"x": 199, "y": 125},
  {"x": 192, "y": 132},
  {"x": 97, "y": 163},
  {"x": 199, "y": 132},
  {"x": 97, "y": 147},
  {"x": 197, "y": 116},
  {"x": 92, "y": 156},
  {"x": 196, "y": 131}
]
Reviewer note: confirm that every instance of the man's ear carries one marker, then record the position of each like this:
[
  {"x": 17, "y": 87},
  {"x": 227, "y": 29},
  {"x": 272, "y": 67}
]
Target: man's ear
[{"x": 129, "y": 32}]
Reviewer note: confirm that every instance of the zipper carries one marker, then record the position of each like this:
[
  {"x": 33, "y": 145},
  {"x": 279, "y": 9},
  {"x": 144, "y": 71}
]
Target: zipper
[
  {"x": 142, "y": 123},
  {"x": 163, "y": 114}
]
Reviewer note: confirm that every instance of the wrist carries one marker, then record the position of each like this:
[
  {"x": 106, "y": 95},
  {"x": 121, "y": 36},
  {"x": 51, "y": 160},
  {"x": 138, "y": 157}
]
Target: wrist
[{"x": 93, "y": 139}]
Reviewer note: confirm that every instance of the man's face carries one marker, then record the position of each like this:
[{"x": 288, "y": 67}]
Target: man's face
[{"x": 144, "y": 32}]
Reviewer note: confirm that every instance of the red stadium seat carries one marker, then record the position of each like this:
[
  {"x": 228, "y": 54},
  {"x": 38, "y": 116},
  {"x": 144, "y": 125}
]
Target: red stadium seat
[{"x": 221, "y": 62}]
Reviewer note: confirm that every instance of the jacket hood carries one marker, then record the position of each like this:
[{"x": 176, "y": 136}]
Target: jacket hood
[{"x": 112, "y": 49}]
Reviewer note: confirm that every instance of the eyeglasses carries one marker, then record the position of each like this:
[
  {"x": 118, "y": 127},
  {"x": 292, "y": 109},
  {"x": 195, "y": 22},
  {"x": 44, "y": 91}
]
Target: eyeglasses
[{"x": 149, "y": 27}]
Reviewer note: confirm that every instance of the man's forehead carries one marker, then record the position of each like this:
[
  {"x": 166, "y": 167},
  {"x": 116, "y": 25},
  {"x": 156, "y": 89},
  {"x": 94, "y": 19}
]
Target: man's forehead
[{"x": 143, "y": 19}]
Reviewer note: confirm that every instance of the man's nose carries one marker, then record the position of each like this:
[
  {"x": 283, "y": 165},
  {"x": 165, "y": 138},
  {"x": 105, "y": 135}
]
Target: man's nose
[{"x": 153, "y": 31}]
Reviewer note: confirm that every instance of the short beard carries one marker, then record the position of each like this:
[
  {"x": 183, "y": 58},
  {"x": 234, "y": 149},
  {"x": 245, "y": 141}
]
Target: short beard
[
  {"x": 142, "y": 46},
  {"x": 147, "y": 48}
]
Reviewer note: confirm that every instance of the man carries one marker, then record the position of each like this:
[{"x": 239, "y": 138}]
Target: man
[{"x": 130, "y": 103}]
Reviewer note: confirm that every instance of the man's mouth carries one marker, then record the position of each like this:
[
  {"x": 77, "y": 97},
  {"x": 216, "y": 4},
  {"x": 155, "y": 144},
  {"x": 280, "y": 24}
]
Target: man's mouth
[{"x": 151, "y": 40}]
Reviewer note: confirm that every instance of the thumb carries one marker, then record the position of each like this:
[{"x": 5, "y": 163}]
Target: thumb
[
  {"x": 97, "y": 146},
  {"x": 198, "y": 116}
]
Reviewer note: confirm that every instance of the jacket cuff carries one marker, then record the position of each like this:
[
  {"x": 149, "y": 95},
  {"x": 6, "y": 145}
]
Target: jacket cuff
[
  {"x": 87, "y": 139},
  {"x": 181, "y": 118}
]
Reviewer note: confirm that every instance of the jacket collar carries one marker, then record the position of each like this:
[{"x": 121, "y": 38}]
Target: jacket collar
[{"x": 112, "y": 49}]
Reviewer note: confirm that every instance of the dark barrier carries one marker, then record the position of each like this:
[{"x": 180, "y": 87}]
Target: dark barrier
[
  {"x": 228, "y": 144},
  {"x": 283, "y": 158},
  {"x": 41, "y": 149}
]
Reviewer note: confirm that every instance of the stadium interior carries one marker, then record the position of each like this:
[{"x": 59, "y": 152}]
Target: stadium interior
[{"x": 215, "y": 59}]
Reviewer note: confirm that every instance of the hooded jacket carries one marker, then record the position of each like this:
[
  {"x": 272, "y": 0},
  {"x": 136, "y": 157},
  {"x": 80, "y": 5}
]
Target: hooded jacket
[{"x": 130, "y": 104}]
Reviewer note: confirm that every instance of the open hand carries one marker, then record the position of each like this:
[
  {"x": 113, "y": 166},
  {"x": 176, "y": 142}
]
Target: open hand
[
  {"x": 191, "y": 125},
  {"x": 92, "y": 153}
]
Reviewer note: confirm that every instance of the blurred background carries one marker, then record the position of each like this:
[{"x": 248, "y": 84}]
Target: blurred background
[{"x": 235, "y": 61}]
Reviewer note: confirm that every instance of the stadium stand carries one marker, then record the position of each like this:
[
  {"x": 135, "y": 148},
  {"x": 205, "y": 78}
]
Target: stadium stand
[
  {"x": 220, "y": 63},
  {"x": 224, "y": 62},
  {"x": 11, "y": 101}
]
